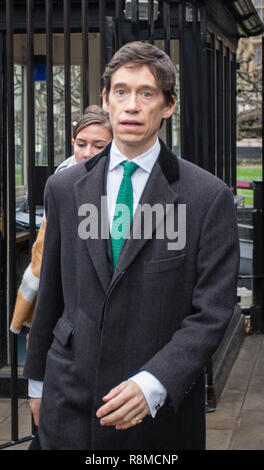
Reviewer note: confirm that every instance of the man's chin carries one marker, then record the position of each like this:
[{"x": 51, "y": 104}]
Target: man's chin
[
  {"x": 131, "y": 139},
  {"x": 132, "y": 143}
]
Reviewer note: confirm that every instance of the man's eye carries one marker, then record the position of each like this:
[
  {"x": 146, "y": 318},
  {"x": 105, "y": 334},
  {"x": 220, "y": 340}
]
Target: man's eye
[
  {"x": 81, "y": 145},
  {"x": 100, "y": 147},
  {"x": 146, "y": 94},
  {"x": 120, "y": 92}
]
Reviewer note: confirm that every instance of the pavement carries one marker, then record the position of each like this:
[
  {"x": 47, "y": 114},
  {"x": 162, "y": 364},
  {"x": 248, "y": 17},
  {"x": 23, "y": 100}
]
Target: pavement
[{"x": 236, "y": 424}]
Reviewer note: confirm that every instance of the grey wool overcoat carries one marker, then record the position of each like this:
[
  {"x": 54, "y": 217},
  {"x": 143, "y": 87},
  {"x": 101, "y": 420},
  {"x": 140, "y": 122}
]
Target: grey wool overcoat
[{"x": 164, "y": 311}]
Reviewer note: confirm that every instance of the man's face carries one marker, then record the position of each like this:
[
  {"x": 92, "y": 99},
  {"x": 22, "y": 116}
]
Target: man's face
[{"x": 136, "y": 107}]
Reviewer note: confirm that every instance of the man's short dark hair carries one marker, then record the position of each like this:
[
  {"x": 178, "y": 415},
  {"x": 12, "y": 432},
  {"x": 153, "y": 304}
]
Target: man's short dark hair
[{"x": 143, "y": 53}]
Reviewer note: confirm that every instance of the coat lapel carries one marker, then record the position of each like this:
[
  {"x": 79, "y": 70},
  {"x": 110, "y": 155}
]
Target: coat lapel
[
  {"x": 92, "y": 186},
  {"x": 90, "y": 189},
  {"x": 158, "y": 190}
]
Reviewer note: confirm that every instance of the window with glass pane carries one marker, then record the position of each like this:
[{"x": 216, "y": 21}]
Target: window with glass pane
[
  {"x": 19, "y": 122},
  {"x": 40, "y": 91},
  {"x": 58, "y": 110},
  {"x": 176, "y": 121}
]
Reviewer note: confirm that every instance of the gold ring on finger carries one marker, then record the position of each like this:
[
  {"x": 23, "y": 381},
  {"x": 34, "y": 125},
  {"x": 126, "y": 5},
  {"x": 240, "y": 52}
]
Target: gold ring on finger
[{"x": 138, "y": 420}]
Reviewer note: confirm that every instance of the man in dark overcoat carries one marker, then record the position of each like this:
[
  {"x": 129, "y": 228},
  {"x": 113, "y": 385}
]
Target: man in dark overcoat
[{"x": 138, "y": 280}]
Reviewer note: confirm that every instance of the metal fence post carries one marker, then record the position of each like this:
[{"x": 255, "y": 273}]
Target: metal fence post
[{"x": 257, "y": 310}]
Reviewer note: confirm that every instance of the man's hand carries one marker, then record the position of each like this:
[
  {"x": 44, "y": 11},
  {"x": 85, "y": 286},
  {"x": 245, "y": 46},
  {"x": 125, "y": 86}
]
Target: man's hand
[
  {"x": 35, "y": 404},
  {"x": 125, "y": 405}
]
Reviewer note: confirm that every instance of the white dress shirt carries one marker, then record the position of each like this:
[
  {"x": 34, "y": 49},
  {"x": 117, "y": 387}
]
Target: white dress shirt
[{"x": 153, "y": 390}]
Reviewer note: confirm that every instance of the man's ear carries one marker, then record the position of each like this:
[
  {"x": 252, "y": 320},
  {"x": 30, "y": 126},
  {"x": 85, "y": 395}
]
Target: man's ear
[
  {"x": 105, "y": 101},
  {"x": 73, "y": 142},
  {"x": 169, "y": 108}
]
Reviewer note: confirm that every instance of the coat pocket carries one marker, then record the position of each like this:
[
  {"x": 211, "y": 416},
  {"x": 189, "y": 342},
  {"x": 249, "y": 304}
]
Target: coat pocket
[
  {"x": 63, "y": 333},
  {"x": 163, "y": 265}
]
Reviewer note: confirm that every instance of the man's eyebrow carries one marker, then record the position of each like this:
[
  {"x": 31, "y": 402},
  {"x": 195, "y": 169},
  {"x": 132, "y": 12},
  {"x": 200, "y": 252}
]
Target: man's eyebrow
[
  {"x": 144, "y": 85},
  {"x": 118, "y": 84}
]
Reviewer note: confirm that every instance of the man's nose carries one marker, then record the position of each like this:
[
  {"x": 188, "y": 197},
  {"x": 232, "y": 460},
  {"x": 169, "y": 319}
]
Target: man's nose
[{"x": 132, "y": 103}]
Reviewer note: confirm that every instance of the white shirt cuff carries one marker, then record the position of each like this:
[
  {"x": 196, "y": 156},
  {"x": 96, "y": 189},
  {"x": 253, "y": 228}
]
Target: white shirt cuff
[
  {"x": 154, "y": 392},
  {"x": 35, "y": 388}
]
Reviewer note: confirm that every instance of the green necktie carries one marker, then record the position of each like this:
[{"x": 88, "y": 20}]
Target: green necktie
[{"x": 123, "y": 214}]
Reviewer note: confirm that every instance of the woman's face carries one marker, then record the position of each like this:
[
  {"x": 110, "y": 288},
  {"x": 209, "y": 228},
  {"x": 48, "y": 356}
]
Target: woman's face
[{"x": 90, "y": 141}]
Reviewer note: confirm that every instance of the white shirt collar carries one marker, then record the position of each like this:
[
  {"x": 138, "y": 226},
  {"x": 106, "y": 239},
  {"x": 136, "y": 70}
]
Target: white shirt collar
[{"x": 146, "y": 160}]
